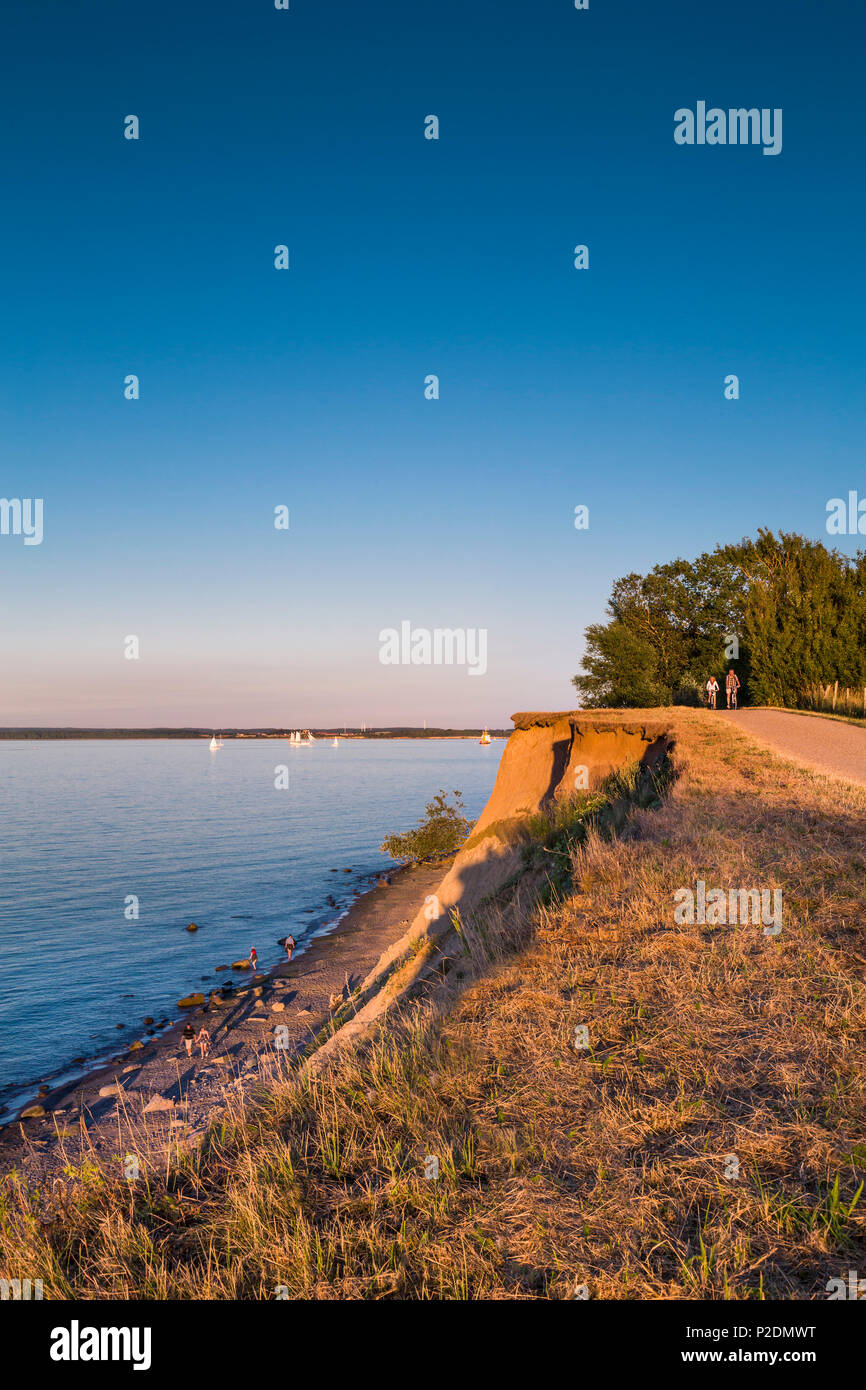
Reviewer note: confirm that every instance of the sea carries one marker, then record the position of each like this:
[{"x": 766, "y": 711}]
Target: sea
[{"x": 109, "y": 849}]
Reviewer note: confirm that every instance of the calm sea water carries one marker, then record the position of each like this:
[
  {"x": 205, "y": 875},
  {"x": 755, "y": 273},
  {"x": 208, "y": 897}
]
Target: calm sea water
[{"x": 197, "y": 837}]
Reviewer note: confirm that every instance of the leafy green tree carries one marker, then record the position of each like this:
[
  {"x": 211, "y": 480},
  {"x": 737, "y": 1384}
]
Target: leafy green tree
[
  {"x": 797, "y": 610},
  {"x": 441, "y": 832}
]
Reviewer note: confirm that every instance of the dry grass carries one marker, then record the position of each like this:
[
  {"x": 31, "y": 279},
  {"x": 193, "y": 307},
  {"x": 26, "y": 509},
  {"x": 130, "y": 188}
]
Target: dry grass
[{"x": 557, "y": 1166}]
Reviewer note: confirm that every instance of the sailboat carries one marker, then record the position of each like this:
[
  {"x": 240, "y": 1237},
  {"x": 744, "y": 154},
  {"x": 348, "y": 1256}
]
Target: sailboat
[
  {"x": 485, "y": 738},
  {"x": 216, "y": 743}
]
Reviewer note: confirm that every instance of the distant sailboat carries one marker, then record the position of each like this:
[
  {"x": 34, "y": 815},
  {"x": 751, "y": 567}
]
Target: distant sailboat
[
  {"x": 485, "y": 738},
  {"x": 216, "y": 743}
]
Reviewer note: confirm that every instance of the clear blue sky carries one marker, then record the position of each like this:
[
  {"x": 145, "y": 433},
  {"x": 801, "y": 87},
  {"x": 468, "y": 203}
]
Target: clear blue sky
[{"x": 408, "y": 257}]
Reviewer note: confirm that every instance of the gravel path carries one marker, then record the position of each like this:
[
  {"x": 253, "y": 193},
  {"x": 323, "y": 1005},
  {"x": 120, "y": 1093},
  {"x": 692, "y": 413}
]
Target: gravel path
[{"x": 827, "y": 745}]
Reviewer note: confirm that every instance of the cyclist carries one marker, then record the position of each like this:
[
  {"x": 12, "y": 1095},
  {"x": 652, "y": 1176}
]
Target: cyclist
[
  {"x": 732, "y": 685},
  {"x": 712, "y": 692}
]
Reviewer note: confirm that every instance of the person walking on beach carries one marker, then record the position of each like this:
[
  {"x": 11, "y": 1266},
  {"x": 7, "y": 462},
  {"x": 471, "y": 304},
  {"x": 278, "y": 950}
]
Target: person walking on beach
[
  {"x": 732, "y": 685},
  {"x": 254, "y": 960},
  {"x": 203, "y": 1041},
  {"x": 188, "y": 1036},
  {"x": 712, "y": 692},
  {"x": 289, "y": 944}
]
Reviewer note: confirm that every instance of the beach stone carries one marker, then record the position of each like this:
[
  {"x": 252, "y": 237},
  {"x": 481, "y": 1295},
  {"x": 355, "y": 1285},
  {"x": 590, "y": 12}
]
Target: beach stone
[
  {"x": 133, "y": 1067},
  {"x": 191, "y": 1001},
  {"x": 257, "y": 991},
  {"x": 136, "y": 1046},
  {"x": 43, "y": 1091},
  {"x": 158, "y": 1103},
  {"x": 221, "y": 967},
  {"x": 113, "y": 1090},
  {"x": 278, "y": 1007},
  {"x": 192, "y": 927},
  {"x": 240, "y": 965},
  {"x": 222, "y": 1061},
  {"x": 33, "y": 1112},
  {"x": 147, "y": 1022},
  {"x": 76, "y": 1061}
]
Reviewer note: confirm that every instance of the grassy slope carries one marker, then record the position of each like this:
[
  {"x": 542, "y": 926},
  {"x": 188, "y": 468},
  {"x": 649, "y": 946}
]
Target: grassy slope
[{"x": 557, "y": 1167}]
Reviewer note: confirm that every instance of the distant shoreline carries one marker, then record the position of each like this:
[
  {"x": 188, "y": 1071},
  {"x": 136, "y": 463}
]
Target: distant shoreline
[{"x": 168, "y": 733}]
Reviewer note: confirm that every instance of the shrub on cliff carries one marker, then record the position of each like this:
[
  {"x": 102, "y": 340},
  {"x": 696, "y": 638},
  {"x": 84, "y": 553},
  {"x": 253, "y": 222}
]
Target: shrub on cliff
[{"x": 441, "y": 832}]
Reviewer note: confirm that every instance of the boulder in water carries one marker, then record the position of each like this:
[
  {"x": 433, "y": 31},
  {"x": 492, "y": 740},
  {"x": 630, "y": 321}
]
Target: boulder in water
[{"x": 191, "y": 1001}]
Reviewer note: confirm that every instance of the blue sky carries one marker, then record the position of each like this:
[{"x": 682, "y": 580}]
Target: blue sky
[{"x": 408, "y": 257}]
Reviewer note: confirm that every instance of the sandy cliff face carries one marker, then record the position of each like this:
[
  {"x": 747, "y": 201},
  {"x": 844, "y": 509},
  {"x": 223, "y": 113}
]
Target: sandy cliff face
[{"x": 546, "y": 759}]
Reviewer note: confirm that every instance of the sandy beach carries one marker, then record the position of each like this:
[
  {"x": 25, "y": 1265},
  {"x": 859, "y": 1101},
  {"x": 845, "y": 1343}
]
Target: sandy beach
[{"x": 185, "y": 1095}]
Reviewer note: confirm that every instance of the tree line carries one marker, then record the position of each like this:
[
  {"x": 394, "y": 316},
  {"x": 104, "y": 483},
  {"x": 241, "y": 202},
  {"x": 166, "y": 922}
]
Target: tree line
[{"x": 785, "y": 612}]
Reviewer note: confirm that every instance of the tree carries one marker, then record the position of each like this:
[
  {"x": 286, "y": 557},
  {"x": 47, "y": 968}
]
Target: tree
[
  {"x": 441, "y": 832},
  {"x": 796, "y": 609}
]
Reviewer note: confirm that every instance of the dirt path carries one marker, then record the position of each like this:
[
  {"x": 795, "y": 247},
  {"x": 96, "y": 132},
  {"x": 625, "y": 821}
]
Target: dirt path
[{"x": 827, "y": 745}]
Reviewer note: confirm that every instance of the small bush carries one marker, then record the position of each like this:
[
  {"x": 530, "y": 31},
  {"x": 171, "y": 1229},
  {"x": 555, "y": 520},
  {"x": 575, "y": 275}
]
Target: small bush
[{"x": 441, "y": 832}]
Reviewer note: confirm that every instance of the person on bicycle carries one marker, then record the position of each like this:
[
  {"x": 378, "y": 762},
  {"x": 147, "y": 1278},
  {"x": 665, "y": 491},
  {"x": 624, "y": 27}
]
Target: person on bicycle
[
  {"x": 712, "y": 692},
  {"x": 732, "y": 685}
]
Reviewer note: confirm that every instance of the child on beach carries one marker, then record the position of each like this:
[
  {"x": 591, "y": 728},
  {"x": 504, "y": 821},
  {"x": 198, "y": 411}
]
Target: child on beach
[
  {"x": 203, "y": 1041},
  {"x": 254, "y": 960},
  {"x": 188, "y": 1036},
  {"x": 289, "y": 944}
]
